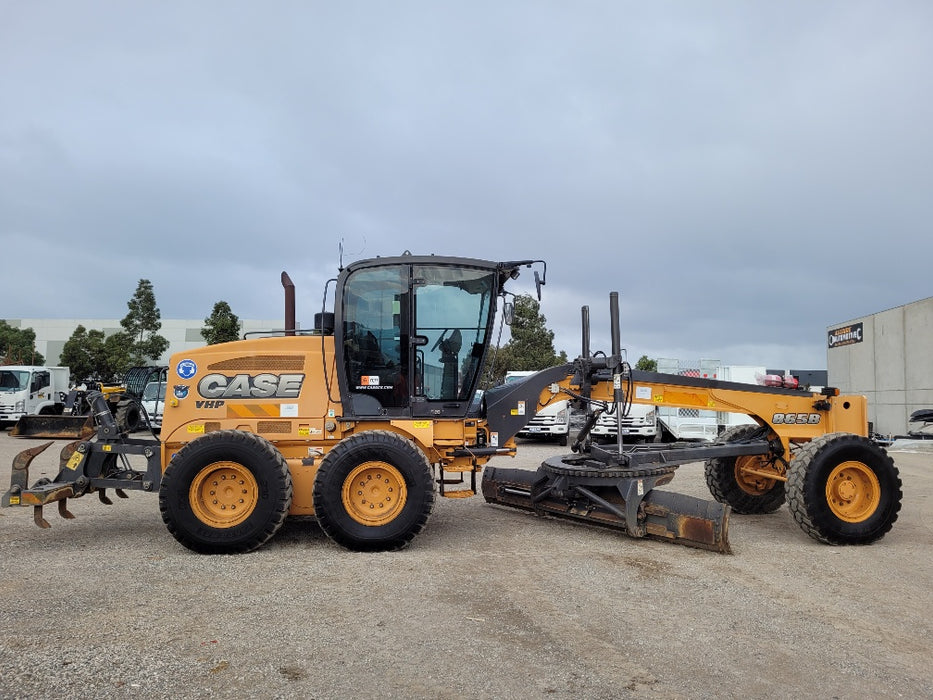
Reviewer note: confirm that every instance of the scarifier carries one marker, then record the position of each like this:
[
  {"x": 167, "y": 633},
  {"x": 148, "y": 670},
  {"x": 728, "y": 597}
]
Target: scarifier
[{"x": 361, "y": 421}]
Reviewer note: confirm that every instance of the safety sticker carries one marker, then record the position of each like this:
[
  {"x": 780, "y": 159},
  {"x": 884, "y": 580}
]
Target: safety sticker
[
  {"x": 74, "y": 461},
  {"x": 288, "y": 410},
  {"x": 196, "y": 428},
  {"x": 186, "y": 369},
  {"x": 643, "y": 392}
]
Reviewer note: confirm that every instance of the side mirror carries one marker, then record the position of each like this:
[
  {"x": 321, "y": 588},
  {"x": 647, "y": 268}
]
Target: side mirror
[
  {"x": 538, "y": 284},
  {"x": 508, "y": 312}
]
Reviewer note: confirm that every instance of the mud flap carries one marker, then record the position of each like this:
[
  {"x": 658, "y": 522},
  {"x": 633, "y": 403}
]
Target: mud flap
[{"x": 621, "y": 503}]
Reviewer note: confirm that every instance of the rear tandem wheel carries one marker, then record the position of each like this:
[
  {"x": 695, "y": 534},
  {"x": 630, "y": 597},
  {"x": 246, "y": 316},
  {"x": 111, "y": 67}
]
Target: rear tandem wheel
[
  {"x": 227, "y": 492},
  {"x": 844, "y": 489}
]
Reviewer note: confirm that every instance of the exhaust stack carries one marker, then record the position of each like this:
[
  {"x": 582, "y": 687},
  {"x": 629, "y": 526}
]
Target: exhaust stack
[{"x": 289, "y": 304}]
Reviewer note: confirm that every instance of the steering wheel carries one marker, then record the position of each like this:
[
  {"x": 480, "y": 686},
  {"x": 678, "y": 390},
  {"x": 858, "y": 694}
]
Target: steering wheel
[{"x": 439, "y": 340}]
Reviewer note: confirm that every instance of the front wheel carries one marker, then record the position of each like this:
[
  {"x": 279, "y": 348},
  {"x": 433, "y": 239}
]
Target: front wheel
[
  {"x": 740, "y": 481},
  {"x": 373, "y": 491},
  {"x": 844, "y": 489},
  {"x": 227, "y": 492}
]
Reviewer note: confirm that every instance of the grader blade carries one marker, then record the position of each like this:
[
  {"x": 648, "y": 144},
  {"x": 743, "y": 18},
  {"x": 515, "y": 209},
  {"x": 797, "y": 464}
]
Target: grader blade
[
  {"x": 54, "y": 427},
  {"x": 626, "y": 503}
]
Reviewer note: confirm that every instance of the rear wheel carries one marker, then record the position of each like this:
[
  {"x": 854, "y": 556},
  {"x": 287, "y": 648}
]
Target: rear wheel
[
  {"x": 373, "y": 491},
  {"x": 844, "y": 489},
  {"x": 730, "y": 480},
  {"x": 227, "y": 492}
]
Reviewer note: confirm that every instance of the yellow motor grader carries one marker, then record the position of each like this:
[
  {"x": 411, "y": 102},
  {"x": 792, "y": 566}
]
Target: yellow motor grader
[{"x": 363, "y": 420}]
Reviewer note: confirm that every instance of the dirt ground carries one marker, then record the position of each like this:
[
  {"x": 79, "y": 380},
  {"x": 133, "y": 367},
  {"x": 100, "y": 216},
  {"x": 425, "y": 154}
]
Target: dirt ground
[{"x": 488, "y": 602}]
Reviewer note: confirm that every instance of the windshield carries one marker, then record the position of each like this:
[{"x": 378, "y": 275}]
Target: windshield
[
  {"x": 13, "y": 380},
  {"x": 452, "y": 307},
  {"x": 154, "y": 391}
]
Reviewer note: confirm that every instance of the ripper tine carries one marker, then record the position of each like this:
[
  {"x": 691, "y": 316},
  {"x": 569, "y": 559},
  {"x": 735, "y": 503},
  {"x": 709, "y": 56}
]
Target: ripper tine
[
  {"x": 22, "y": 461},
  {"x": 66, "y": 452},
  {"x": 63, "y": 510},
  {"x": 121, "y": 493},
  {"x": 39, "y": 520},
  {"x": 102, "y": 495}
]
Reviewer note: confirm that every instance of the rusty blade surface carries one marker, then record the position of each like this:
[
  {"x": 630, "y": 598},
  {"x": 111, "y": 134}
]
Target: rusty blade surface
[
  {"x": 54, "y": 427},
  {"x": 666, "y": 516},
  {"x": 22, "y": 461}
]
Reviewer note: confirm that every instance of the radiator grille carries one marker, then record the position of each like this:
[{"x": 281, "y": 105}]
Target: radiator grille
[
  {"x": 261, "y": 363},
  {"x": 274, "y": 426}
]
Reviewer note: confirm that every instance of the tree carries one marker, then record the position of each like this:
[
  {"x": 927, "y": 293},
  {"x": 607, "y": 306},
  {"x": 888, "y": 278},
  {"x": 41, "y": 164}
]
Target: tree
[
  {"x": 18, "y": 346},
  {"x": 140, "y": 326},
  {"x": 646, "y": 364},
  {"x": 78, "y": 354},
  {"x": 222, "y": 325},
  {"x": 531, "y": 346},
  {"x": 116, "y": 357},
  {"x": 91, "y": 355}
]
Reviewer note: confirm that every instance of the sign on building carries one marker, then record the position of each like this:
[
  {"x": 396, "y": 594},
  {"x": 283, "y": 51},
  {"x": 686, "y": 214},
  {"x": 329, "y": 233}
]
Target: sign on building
[{"x": 846, "y": 335}]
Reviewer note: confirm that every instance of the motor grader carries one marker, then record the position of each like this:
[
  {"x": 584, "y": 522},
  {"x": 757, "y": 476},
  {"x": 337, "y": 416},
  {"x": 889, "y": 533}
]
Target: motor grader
[{"x": 364, "y": 419}]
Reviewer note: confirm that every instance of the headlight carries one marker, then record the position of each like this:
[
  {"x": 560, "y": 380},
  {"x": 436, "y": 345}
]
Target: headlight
[
  {"x": 20, "y": 406},
  {"x": 562, "y": 415}
]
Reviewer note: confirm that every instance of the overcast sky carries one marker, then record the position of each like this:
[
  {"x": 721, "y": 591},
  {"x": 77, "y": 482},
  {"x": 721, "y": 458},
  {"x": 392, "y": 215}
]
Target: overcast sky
[{"x": 744, "y": 174}]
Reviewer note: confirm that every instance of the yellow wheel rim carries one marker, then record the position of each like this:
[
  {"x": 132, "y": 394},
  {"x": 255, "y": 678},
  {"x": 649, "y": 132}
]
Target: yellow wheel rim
[
  {"x": 853, "y": 492},
  {"x": 223, "y": 494},
  {"x": 374, "y": 493},
  {"x": 753, "y": 484}
]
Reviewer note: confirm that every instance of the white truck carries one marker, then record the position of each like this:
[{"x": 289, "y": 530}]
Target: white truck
[
  {"x": 551, "y": 421},
  {"x": 27, "y": 390},
  {"x": 641, "y": 423},
  {"x": 153, "y": 400}
]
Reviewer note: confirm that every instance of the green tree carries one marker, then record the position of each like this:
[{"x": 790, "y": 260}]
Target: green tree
[
  {"x": 531, "y": 346},
  {"x": 222, "y": 325},
  {"x": 18, "y": 346},
  {"x": 79, "y": 356},
  {"x": 91, "y": 355},
  {"x": 140, "y": 326},
  {"x": 646, "y": 364},
  {"x": 116, "y": 356}
]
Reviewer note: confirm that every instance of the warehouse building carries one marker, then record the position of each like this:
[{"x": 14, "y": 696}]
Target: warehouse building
[
  {"x": 887, "y": 357},
  {"x": 52, "y": 334}
]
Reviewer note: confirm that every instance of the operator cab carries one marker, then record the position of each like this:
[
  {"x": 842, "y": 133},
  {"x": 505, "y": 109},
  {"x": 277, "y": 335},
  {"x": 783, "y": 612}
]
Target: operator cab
[{"x": 412, "y": 333}]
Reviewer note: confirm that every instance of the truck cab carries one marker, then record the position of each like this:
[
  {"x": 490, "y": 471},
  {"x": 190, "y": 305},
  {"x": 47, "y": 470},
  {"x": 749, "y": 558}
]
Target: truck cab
[{"x": 31, "y": 390}]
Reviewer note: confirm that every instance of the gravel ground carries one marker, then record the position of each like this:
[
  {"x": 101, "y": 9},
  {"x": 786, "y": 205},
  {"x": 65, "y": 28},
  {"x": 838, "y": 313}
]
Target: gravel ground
[{"x": 488, "y": 602}]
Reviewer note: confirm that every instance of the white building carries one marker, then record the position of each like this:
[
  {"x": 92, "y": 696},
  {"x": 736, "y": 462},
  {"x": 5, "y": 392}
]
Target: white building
[{"x": 887, "y": 357}]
